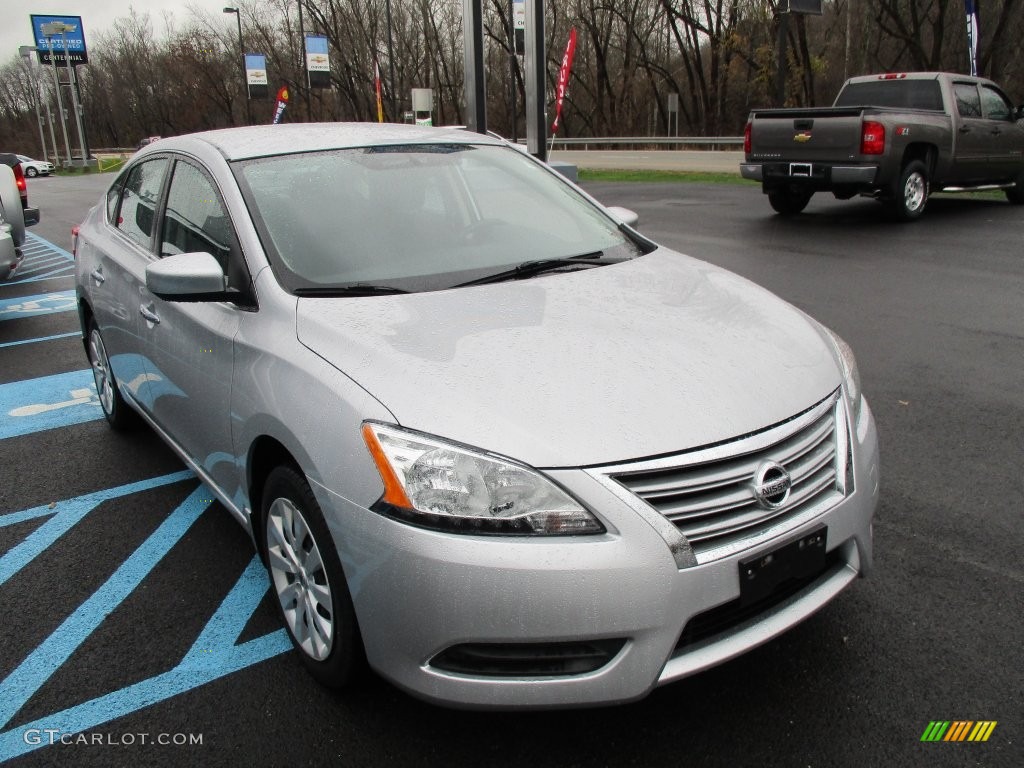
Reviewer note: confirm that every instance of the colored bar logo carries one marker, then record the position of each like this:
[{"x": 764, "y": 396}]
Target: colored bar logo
[{"x": 958, "y": 730}]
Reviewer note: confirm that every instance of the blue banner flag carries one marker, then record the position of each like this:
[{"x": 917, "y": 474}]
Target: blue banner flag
[{"x": 971, "y": 7}]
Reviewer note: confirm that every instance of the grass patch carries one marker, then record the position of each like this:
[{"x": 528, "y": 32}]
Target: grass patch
[
  {"x": 988, "y": 194},
  {"x": 110, "y": 164},
  {"x": 693, "y": 177},
  {"x": 105, "y": 165}
]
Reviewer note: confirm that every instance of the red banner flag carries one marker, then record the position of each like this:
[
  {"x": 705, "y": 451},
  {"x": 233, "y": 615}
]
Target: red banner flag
[
  {"x": 282, "y": 102},
  {"x": 563, "y": 78}
]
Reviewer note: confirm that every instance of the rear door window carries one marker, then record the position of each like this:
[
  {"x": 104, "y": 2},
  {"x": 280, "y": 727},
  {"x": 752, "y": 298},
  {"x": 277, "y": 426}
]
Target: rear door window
[{"x": 137, "y": 211}]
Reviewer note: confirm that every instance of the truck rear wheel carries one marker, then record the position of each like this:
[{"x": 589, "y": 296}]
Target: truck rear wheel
[
  {"x": 787, "y": 201},
  {"x": 911, "y": 193}
]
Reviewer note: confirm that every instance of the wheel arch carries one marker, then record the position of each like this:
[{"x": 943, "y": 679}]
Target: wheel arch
[
  {"x": 923, "y": 151},
  {"x": 85, "y": 316},
  {"x": 265, "y": 453}
]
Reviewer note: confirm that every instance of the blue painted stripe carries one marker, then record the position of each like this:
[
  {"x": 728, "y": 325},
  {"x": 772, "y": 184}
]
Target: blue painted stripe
[
  {"x": 38, "y": 262},
  {"x": 209, "y": 664},
  {"x": 41, "y": 338},
  {"x": 40, "y": 665},
  {"x": 40, "y": 304},
  {"x": 64, "y": 515},
  {"x": 48, "y": 402},
  {"x": 55, "y": 274},
  {"x": 36, "y": 240}
]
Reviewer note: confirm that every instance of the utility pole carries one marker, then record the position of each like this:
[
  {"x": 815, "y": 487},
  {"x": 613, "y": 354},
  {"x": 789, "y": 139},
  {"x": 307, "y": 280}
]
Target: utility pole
[
  {"x": 536, "y": 84},
  {"x": 391, "y": 64}
]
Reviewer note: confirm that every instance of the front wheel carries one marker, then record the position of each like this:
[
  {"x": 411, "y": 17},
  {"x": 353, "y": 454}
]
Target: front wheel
[
  {"x": 31, "y": 172},
  {"x": 787, "y": 201},
  {"x": 911, "y": 194},
  {"x": 307, "y": 578}
]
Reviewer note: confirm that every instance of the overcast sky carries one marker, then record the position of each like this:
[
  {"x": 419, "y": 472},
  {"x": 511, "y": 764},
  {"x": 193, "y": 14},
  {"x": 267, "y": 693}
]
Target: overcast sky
[{"x": 97, "y": 16}]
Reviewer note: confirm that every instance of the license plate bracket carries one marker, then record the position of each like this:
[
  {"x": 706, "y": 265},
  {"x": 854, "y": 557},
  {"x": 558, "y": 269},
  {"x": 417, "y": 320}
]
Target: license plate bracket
[
  {"x": 759, "y": 576},
  {"x": 803, "y": 170}
]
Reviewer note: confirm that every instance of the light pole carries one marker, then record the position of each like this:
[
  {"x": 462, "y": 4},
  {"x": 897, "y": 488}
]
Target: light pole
[
  {"x": 391, "y": 63},
  {"x": 241, "y": 52},
  {"x": 26, "y": 51},
  {"x": 56, "y": 85}
]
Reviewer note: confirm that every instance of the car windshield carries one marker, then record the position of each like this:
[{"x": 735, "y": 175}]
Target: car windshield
[{"x": 418, "y": 217}]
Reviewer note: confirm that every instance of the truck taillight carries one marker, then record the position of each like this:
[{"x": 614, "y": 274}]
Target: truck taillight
[
  {"x": 872, "y": 138},
  {"x": 19, "y": 178},
  {"x": 74, "y": 241},
  {"x": 746, "y": 138}
]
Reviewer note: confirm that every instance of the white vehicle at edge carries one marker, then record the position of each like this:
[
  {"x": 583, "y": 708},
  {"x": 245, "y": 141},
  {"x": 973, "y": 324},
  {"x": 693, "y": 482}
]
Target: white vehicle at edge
[
  {"x": 35, "y": 167},
  {"x": 484, "y": 434}
]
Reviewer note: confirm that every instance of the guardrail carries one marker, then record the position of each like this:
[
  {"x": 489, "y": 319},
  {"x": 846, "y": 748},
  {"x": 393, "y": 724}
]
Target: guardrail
[{"x": 674, "y": 142}]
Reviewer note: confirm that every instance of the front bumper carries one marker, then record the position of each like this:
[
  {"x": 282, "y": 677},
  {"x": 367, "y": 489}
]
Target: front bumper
[{"x": 418, "y": 593}]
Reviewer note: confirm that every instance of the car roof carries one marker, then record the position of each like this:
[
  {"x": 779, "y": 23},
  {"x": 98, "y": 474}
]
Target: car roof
[{"x": 268, "y": 140}]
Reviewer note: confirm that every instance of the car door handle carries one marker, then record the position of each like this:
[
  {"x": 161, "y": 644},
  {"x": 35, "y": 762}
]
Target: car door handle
[
  {"x": 97, "y": 275},
  {"x": 149, "y": 314},
  {"x": 965, "y": 129},
  {"x": 995, "y": 131}
]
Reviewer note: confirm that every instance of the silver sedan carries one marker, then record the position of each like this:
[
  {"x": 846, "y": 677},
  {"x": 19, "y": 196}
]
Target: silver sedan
[{"x": 486, "y": 436}]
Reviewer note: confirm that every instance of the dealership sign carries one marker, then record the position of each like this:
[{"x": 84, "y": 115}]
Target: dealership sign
[
  {"x": 256, "y": 75},
  {"x": 73, "y": 35},
  {"x": 318, "y": 62}
]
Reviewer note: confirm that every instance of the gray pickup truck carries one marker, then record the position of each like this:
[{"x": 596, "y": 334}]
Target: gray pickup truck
[{"x": 895, "y": 137}]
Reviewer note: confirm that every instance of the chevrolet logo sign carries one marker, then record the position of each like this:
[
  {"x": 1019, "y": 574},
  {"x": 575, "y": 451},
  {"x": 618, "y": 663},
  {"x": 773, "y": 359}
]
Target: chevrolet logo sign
[{"x": 802, "y": 137}]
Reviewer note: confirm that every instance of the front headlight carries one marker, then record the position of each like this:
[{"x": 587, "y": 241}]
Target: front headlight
[
  {"x": 851, "y": 376},
  {"x": 437, "y": 484}
]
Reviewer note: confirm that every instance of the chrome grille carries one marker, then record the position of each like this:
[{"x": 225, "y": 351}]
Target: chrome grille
[{"x": 709, "y": 494}]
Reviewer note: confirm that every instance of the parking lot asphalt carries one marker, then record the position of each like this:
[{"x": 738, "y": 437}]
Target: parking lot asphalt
[{"x": 134, "y": 614}]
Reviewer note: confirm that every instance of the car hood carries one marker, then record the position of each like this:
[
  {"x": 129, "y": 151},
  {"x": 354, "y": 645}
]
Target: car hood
[{"x": 655, "y": 355}]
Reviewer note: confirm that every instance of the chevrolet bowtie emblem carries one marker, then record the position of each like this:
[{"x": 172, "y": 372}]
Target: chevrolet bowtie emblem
[{"x": 802, "y": 137}]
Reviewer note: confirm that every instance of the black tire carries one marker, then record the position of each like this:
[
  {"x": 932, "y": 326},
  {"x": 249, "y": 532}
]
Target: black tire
[
  {"x": 787, "y": 201},
  {"x": 1015, "y": 194},
  {"x": 293, "y": 528},
  {"x": 118, "y": 413},
  {"x": 911, "y": 193},
  {"x": 31, "y": 172}
]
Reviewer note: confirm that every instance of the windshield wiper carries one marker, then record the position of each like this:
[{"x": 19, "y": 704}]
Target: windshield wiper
[
  {"x": 355, "y": 289},
  {"x": 537, "y": 266}
]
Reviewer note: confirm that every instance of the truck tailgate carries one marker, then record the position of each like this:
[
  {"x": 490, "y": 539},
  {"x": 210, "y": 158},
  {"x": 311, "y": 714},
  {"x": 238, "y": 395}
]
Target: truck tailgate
[{"x": 808, "y": 135}]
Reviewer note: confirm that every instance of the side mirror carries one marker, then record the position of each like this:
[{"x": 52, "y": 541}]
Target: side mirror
[
  {"x": 188, "y": 277},
  {"x": 624, "y": 215}
]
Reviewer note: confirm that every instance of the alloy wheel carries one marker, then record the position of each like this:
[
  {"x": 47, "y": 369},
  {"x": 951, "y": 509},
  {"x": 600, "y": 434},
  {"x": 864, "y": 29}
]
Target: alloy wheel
[
  {"x": 101, "y": 371},
  {"x": 300, "y": 579}
]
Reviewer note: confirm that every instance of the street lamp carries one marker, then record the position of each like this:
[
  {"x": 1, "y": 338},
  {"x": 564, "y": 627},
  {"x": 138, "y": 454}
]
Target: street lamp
[{"x": 241, "y": 52}]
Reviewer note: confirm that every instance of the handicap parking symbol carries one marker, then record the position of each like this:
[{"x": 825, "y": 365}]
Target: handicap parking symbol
[{"x": 42, "y": 304}]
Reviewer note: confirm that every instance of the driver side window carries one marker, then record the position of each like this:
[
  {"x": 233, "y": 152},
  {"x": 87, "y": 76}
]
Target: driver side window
[
  {"x": 995, "y": 104},
  {"x": 195, "y": 220}
]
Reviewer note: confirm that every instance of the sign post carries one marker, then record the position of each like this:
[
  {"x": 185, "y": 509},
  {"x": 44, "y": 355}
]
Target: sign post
[{"x": 60, "y": 100}]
